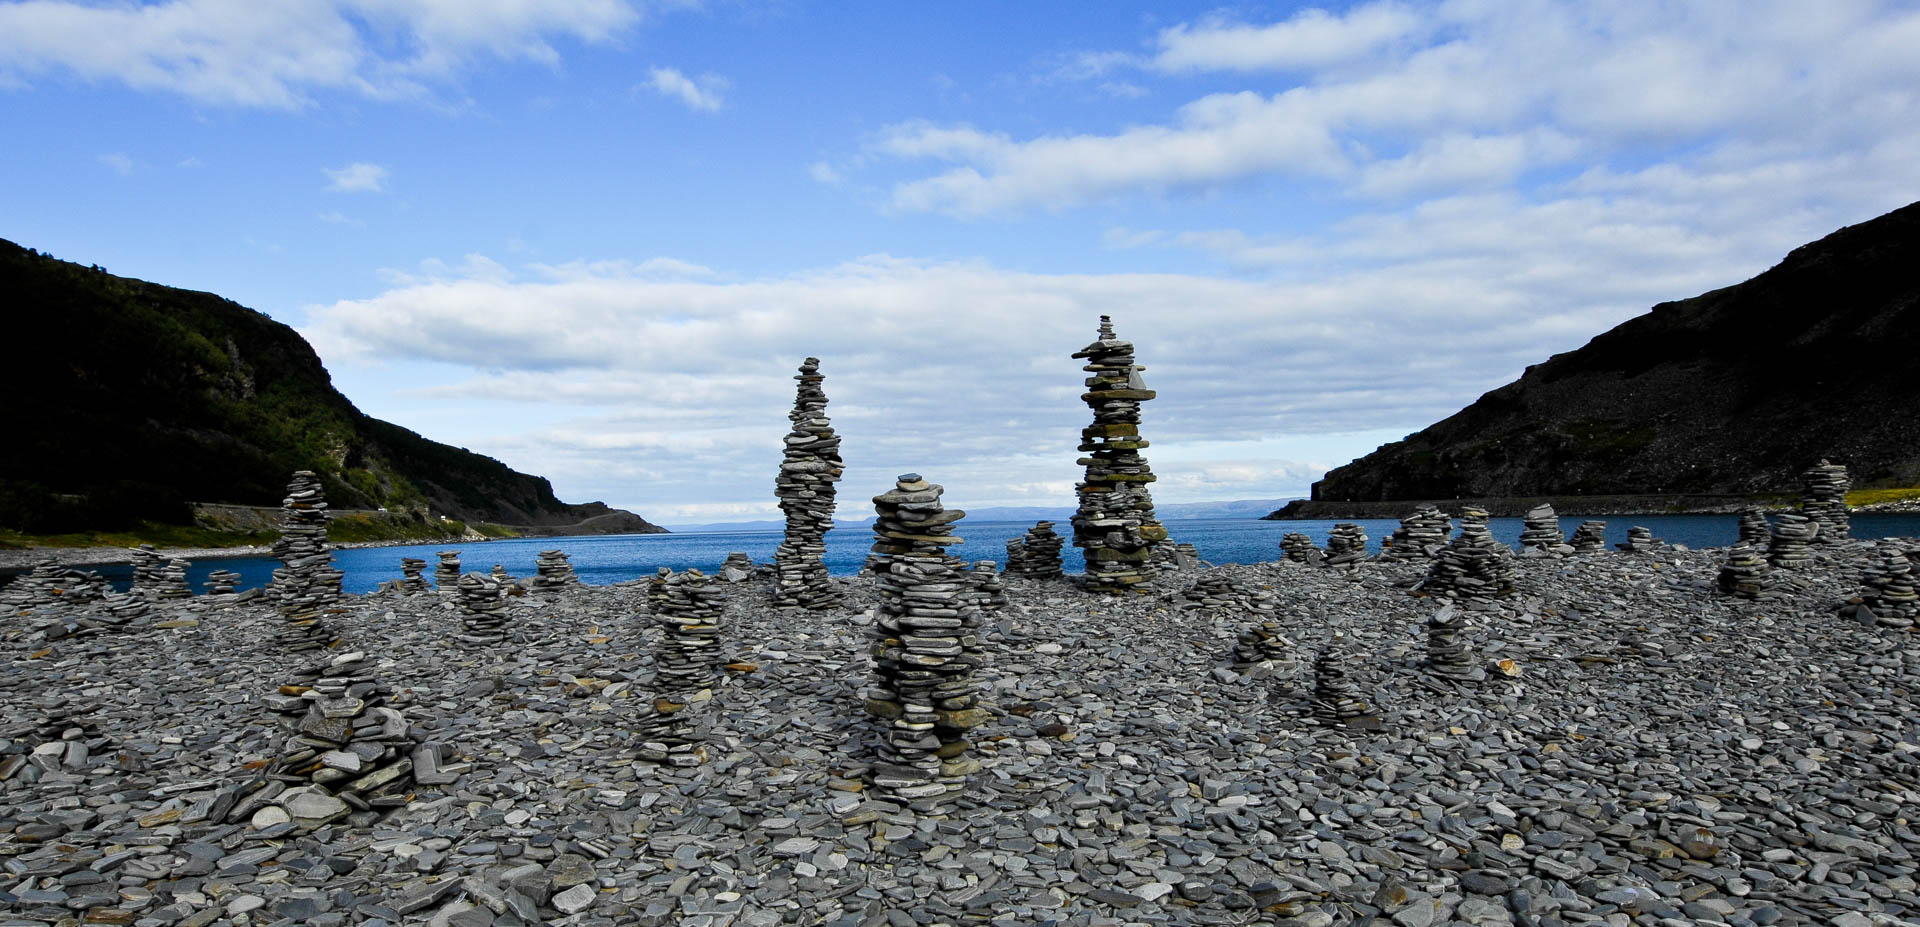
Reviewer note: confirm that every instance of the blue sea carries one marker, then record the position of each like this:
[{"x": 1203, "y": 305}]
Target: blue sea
[{"x": 616, "y": 558}]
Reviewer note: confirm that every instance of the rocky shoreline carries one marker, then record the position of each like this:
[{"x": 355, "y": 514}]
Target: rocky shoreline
[
  {"x": 1518, "y": 506},
  {"x": 14, "y": 561},
  {"x": 1633, "y": 747}
]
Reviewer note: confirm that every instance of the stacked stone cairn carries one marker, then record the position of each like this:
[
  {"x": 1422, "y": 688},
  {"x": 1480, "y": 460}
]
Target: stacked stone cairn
[
  {"x": 446, "y": 575},
  {"x": 504, "y": 578},
  {"x": 1447, "y": 653},
  {"x": 348, "y": 755},
  {"x": 1115, "y": 524},
  {"x": 1890, "y": 591},
  {"x": 657, "y": 590},
  {"x": 810, "y": 466},
  {"x": 43, "y": 585},
  {"x": 1421, "y": 535},
  {"x": 1540, "y": 531},
  {"x": 221, "y": 583},
  {"x": 1187, "y": 557},
  {"x": 737, "y": 568},
  {"x": 1346, "y": 545},
  {"x": 1590, "y": 537},
  {"x": 989, "y": 593},
  {"x": 172, "y": 584},
  {"x": 1212, "y": 593},
  {"x": 1792, "y": 534},
  {"x": 1824, "y": 500},
  {"x": 1754, "y": 529},
  {"x": 686, "y": 663},
  {"x": 552, "y": 572},
  {"x": 413, "y": 579},
  {"x": 1335, "y": 700},
  {"x": 307, "y": 587},
  {"x": 1640, "y": 540},
  {"x": 1298, "y": 548},
  {"x": 1261, "y": 647},
  {"x": 1475, "y": 570},
  {"x": 1037, "y": 554},
  {"x": 483, "y": 613},
  {"x": 1744, "y": 575},
  {"x": 924, "y": 650},
  {"x": 147, "y": 567}
]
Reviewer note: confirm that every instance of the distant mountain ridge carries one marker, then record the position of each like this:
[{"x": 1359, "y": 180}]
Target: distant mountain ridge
[
  {"x": 130, "y": 399},
  {"x": 1734, "y": 391}
]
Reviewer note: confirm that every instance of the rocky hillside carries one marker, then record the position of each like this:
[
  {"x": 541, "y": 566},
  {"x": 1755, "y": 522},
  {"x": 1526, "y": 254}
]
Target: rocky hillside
[
  {"x": 128, "y": 400},
  {"x": 1733, "y": 391}
]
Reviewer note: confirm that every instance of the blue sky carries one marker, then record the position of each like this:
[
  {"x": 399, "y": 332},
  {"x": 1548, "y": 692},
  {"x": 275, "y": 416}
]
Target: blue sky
[{"x": 593, "y": 237}]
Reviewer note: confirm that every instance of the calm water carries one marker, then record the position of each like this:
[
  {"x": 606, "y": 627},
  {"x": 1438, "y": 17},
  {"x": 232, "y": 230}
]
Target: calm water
[{"x": 616, "y": 558}]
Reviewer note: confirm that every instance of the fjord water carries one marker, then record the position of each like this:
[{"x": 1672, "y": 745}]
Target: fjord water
[{"x": 609, "y": 559}]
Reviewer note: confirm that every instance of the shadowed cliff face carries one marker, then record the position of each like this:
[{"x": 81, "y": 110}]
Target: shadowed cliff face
[
  {"x": 1733, "y": 391},
  {"x": 128, "y": 399}
]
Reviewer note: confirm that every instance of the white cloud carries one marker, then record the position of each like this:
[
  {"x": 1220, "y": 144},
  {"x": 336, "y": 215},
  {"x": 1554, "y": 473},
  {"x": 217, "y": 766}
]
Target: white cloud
[
  {"x": 705, "y": 95},
  {"x": 1392, "y": 100},
  {"x": 822, "y": 172},
  {"x": 358, "y": 177},
  {"x": 120, "y": 163},
  {"x": 277, "y": 54}
]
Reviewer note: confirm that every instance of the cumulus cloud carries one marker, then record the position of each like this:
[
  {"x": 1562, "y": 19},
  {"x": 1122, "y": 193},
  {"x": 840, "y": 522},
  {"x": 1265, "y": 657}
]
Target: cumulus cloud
[
  {"x": 358, "y": 177},
  {"x": 704, "y": 95},
  {"x": 1392, "y": 100},
  {"x": 277, "y": 54}
]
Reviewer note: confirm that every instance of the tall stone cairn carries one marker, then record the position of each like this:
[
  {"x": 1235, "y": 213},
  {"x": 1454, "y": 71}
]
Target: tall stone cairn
[
  {"x": 446, "y": 574},
  {"x": 1447, "y": 652},
  {"x": 1824, "y": 500},
  {"x": 1115, "y": 525},
  {"x": 1335, "y": 700},
  {"x": 1890, "y": 591},
  {"x": 173, "y": 581},
  {"x": 1540, "y": 530},
  {"x": 1346, "y": 545},
  {"x": 925, "y": 648},
  {"x": 221, "y": 583},
  {"x": 1754, "y": 529},
  {"x": 810, "y": 466},
  {"x": 1421, "y": 534},
  {"x": 307, "y": 587},
  {"x": 1036, "y": 555},
  {"x": 483, "y": 618},
  {"x": 413, "y": 580},
  {"x": 657, "y": 590},
  {"x": 990, "y": 594},
  {"x": 1792, "y": 534},
  {"x": 552, "y": 572},
  {"x": 686, "y": 662},
  {"x": 1474, "y": 570},
  {"x": 1590, "y": 537},
  {"x": 1744, "y": 575},
  {"x": 147, "y": 567}
]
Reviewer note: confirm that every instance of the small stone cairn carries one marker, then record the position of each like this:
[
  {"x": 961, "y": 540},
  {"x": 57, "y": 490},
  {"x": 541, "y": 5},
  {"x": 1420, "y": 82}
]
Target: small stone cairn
[
  {"x": 1640, "y": 540},
  {"x": 1422, "y": 534},
  {"x": 1115, "y": 524},
  {"x": 1754, "y": 529},
  {"x": 1744, "y": 575},
  {"x": 1346, "y": 545},
  {"x": 1298, "y": 548},
  {"x": 989, "y": 593},
  {"x": 1540, "y": 531},
  {"x": 1475, "y": 570},
  {"x": 1447, "y": 652},
  {"x": 483, "y": 618},
  {"x": 924, "y": 650},
  {"x": 737, "y": 568},
  {"x": 1212, "y": 593},
  {"x": 172, "y": 584},
  {"x": 810, "y": 466},
  {"x": 413, "y": 579},
  {"x": 1824, "y": 501},
  {"x": 147, "y": 567},
  {"x": 1890, "y": 591},
  {"x": 686, "y": 663},
  {"x": 348, "y": 754},
  {"x": 1589, "y": 538},
  {"x": 307, "y": 587},
  {"x": 1335, "y": 700},
  {"x": 1793, "y": 533},
  {"x": 552, "y": 572},
  {"x": 657, "y": 590},
  {"x": 1261, "y": 648},
  {"x": 446, "y": 575},
  {"x": 43, "y": 585},
  {"x": 506, "y": 580},
  {"x": 221, "y": 583},
  {"x": 1037, "y": 554}
]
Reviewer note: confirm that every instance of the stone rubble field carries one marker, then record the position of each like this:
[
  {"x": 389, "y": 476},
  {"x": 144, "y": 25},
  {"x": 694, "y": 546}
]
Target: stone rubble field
[{"x": 1635, "y": 749}]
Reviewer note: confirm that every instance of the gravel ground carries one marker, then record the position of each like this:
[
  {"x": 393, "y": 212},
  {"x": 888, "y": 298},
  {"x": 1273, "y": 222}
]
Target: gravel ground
[{"x": 1664, "y": 755}]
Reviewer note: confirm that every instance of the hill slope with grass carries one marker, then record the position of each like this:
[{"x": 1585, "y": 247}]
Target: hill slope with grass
[
  {"x": 130, "y": 400},
  {"x": 1735, "y": 391}
]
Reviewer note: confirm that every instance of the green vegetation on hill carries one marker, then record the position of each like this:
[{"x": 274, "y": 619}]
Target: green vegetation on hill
[{"x": 130, "y": 399}]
